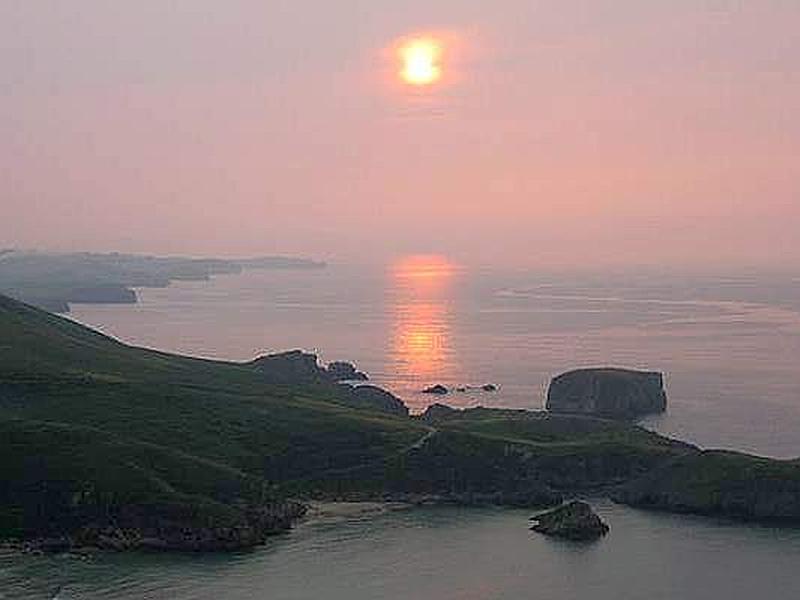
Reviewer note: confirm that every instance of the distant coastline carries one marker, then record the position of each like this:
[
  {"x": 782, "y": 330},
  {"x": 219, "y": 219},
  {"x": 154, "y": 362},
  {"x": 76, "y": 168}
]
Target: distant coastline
[{"x": 54, "y": 281}]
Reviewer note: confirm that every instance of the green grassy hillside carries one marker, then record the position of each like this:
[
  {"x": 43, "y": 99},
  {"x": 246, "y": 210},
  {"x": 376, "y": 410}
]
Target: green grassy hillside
[
  {"x": 126, "y": 447},
  {"x": 84, "y": 416}
]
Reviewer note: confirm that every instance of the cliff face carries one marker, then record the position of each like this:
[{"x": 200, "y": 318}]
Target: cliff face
[
  {"x": 297, "y": 367},
  {"x": 607, "y": 392},
  {"x": 716, "y": 482}
]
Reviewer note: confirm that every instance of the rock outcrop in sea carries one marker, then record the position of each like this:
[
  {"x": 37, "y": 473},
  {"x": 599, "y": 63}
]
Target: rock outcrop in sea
[
  {"x": 438, "y": 390},
  {"x": 573, "y": 521},
  {"x": 297, "y": 367},
  {"x": 608, "y": 392}
]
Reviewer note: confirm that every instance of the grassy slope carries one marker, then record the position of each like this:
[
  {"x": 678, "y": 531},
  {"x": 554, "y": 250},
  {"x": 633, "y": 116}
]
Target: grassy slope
[
  {"x": 90, "y": 426},
  {"x": 80, "y": 411},
  {"x": 717, "y": 482}
]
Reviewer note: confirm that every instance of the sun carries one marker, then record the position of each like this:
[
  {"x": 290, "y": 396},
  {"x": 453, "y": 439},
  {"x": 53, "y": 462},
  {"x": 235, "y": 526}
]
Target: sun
[{"x": 421, "y": 61}]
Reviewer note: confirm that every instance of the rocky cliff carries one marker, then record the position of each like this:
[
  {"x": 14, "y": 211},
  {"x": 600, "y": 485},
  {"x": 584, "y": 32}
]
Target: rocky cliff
[
  {"x": 607, "y": 392},
  {"x": 573, "y": 521},
  {"x": 297, "y": 367}
]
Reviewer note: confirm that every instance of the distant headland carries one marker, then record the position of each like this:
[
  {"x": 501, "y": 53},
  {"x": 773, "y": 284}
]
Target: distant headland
[{"x": 53, "y": 281}]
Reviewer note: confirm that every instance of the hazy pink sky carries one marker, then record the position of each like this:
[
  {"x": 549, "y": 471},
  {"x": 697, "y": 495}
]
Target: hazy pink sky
[{"x": 577, "y": 133}]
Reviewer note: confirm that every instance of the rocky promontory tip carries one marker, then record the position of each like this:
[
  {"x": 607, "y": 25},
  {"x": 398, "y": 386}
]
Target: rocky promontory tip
[
  {"x": 608, "y": 392},
  {"x": 297, "y": 366},
  {"x": 374, "y": 398},
  {"x": 572, "y": 521},
  {"x": 345, "y": 371}
]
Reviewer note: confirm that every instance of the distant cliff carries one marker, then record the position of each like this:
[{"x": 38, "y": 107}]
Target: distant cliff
[
  {"x": 53, "y": 281},
  {"x": 607, "y": 392}
]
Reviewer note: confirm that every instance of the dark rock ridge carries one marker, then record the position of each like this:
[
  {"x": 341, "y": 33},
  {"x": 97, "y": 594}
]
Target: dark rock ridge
[
  {"x": 345, "y": 371},
  {"x": 608, "y": 392},
  {"x": 297, "y": 367},
  {"x": 372, "y": 397},
  {"x": 437, "y": 389},
  {"x": 292, "y": 367},
  {"x": 573, "y": 521},
  {"x": 173, "y": 530}
]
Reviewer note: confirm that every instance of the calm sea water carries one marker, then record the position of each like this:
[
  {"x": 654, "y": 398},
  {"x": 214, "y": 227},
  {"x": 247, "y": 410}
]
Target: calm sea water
[
  {"x": 728, "y": 345},
  {"x": 445, "y": 554}
]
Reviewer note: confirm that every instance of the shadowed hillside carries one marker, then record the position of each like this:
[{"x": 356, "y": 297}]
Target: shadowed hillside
[
  {"x": 91, "y": 426},
  {"x": 123, "y": 447}
]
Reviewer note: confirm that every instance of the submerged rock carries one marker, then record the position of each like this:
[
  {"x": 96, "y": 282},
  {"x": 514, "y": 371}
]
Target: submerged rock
[
  {"x": 573, "y": 521},
  {"x": 436, "y": 389},
  {"x": 607, "y": 392}
]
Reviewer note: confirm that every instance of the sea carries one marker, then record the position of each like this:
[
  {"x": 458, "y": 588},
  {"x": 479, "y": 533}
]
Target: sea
[{"x": 728, "y": 344}]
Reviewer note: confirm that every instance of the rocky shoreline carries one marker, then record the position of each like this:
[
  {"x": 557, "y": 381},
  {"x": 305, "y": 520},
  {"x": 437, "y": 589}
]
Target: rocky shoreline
[
  {"x": 119, "y": 448},
  {"x": 165, "y": 535}
]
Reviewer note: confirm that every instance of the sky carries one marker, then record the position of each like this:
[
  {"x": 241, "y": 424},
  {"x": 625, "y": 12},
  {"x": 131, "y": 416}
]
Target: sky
[{"x": 563, "y": 133}]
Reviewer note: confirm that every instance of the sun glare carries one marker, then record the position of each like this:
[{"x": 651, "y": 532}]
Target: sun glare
[
  {"x": 424, "y": 266},
  {"x": 421, "y": 61}
]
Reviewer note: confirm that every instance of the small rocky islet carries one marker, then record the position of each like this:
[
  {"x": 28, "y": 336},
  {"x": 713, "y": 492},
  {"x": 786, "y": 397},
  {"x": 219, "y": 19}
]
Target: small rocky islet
[
  {"x": 442, "y": 390},
  {"x": 574, "y": 521},
  {"x": 612, "y": 393}
]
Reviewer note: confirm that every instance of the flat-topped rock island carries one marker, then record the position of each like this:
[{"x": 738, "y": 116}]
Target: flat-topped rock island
[{"x": 608, "y": 392}]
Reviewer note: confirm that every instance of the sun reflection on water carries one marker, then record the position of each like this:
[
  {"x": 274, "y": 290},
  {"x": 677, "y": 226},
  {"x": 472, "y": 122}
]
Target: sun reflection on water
[{"x": 420, "y": 302}]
